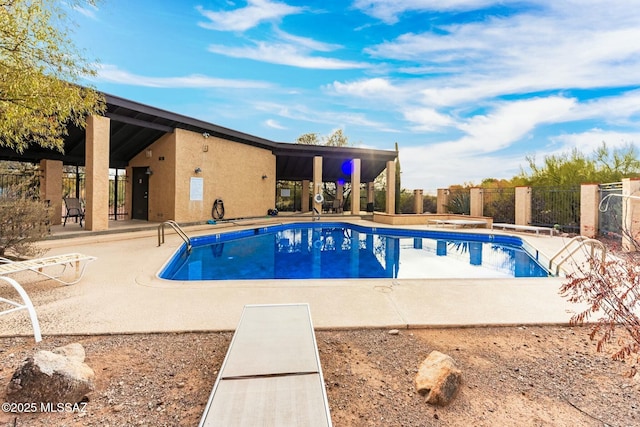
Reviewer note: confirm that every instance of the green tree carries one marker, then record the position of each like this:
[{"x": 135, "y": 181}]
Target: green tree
[
  {"x": 308, "y": 139},
  {"x": 39, "y": 71},
  {"x": 575, "y": 168},
  {"x": 336, "y": 139}
]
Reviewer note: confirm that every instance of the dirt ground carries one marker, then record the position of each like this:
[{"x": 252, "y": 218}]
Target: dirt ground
[{"x": 512, "y": 376}]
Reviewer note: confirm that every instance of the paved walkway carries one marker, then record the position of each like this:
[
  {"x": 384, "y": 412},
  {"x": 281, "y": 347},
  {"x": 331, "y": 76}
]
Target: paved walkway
[{"x": 120, "y": 293}]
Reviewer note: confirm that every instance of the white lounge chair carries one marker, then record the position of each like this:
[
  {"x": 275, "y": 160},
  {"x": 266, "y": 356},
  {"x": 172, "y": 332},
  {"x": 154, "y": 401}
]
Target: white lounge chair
[
  {"x": 460, "y": 222},
  {"x": 38, "y": 266},
  {"x": 517, "y": 227},
  {"x": 25, "y": 305}
]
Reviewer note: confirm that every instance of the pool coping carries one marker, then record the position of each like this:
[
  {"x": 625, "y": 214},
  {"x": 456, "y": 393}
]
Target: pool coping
[{"x": 122, "y": 294}]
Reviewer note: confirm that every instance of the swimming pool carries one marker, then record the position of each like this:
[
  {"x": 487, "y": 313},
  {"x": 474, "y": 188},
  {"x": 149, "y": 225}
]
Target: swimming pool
[{"x": 329, "y": 250}]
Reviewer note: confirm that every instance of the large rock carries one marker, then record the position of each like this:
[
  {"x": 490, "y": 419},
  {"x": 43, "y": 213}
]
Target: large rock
[
  {"x": 438, "y": 378},
  {"x": 58, "y": 376}
]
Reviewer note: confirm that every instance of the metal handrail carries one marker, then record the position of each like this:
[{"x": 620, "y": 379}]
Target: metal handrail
[
  {"x": 579, "y": 241},
  {"x": 177, "y": 229}
]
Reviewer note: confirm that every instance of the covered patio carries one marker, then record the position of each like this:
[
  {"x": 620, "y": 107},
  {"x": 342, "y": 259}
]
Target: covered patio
[{"x": 176, "y": 166}]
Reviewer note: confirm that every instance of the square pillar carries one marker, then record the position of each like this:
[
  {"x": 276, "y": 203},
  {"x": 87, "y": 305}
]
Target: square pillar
[
  {"x": 317, "y": 181},
  {"x": 630, "y": 213},
  {"x": 340, "y": 192},
  {"x": 589, "y": 213},
  {"x": 355, "y": 186},
  {"x": 476, "y": 202},
  {"x": 304, "y": 198},
  {"x": 390, "y": 207},
  {"x": 442, "y": 201},
  {"x": 523, "y": 205},
  {"x": 51, "y": 188},
  {"x": 97, "y": 173},
  {"x": 417, "y": 202}
]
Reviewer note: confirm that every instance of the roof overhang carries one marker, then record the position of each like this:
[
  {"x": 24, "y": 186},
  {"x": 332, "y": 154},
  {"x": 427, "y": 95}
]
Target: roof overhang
[{"x": 136, "y": 126}]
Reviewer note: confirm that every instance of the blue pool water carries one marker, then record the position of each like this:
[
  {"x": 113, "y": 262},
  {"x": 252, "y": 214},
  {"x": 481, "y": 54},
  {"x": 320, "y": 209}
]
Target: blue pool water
[{"x": 339, "y": 250}]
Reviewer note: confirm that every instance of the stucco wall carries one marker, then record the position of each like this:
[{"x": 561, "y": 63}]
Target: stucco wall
[
  {"x": 234, "y": 174},
  {"x": 228, "y": 170}
]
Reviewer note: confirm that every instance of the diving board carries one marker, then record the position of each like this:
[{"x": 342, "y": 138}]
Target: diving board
[{"x": 271, "y": 374}]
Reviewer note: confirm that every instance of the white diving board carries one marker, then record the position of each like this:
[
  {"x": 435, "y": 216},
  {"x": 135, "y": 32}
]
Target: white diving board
[{"x": 271, "y": 375}]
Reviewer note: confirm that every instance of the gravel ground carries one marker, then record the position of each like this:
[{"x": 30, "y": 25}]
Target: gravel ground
[{"x": 512, "y": 376}]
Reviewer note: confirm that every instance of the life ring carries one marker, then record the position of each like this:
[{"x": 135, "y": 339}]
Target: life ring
[{"x": 318, "y": 198}]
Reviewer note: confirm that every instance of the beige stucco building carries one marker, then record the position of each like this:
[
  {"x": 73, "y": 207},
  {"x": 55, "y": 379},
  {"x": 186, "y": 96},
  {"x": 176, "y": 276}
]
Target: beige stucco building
[{"x": 177, "y": 167}]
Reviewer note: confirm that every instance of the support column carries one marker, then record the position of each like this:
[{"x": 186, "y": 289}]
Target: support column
[
  {"x": 304, "y": 197},
  {"x": 390, "y": 207},
  {"x": 442, "y": 201},
  {"x": 417, "y": 202},
  {"x": 340, "y": 193},
  {"x": 317, "y": 181},
  {"x": 51, "y": 188},
  {"x": 476, "y": 202},
  {"x": 355, "y": 187},
  {"x": 630, "y": 213},
  {"x": 523, "y": 205},
  {"x": 589, "y": 213},
  {"x": 97, "y": 173},
  {"x": 371, "y": 197}
]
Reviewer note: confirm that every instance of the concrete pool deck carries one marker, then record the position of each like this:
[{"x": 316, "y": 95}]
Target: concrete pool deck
[{"x": 120, "y": 293}]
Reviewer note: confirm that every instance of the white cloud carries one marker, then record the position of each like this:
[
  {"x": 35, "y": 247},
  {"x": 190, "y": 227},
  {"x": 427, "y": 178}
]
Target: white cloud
[
  {"x": 510, "y": 122},
  {"x": 554, "y": 48},
  {"x": 113, "y": 74},
  {"x": 388, "y": 10},
  {"x": 432, "y": 167},
  {"x": 273, "y": 124},
  {"x": 285, "y": 54},
  {"x": 335, "y": 118},
  {"x": 427, "y": 119},
  {"x": 256, "y": 12},
  {"x": 590, "y": 140},
  {"x": 87, "y": 9},
  {"x": 365, "y": 88}
]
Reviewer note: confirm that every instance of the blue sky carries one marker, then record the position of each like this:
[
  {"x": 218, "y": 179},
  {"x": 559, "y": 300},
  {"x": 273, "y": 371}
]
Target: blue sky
[{"x": 467, "y": 88}]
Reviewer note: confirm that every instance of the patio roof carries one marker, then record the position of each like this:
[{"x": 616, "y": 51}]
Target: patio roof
[{"x": 136, "y": 126}]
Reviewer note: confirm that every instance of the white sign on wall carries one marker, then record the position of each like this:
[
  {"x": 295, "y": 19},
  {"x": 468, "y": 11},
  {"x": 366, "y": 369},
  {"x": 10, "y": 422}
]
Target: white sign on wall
[
  {"x": 196, "y": 191},
  {"x": 285, "y": 192}
]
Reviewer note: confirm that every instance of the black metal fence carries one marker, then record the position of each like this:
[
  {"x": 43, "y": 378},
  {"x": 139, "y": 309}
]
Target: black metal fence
[
  {"x": 459, "y": 201},
  {"x": 610, "y": 215},
  {"x": 20, "y": 185},
  {"x": 556, "y": 207},
  {"x": 500, "y": 204},
  {"x": 73, "y": 185}
]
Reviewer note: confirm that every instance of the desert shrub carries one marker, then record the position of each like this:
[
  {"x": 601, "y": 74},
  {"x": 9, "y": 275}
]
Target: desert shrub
[
  {"x": 23, "y": 222},
  {"x": 611, "y": 291}
]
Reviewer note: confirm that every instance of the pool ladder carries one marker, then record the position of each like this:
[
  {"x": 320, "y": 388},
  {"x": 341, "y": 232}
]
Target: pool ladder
[
  {"x": 177, "y": 229},
  {"x": 577, "y": 242}
]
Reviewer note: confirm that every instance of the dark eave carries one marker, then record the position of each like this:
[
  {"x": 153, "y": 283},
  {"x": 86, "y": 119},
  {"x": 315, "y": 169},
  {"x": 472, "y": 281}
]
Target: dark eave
[{"x": 135, "y": 126}]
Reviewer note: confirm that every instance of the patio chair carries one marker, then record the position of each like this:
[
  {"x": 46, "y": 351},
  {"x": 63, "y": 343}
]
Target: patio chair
[
  {"x": 74, "y": 210},
  {"x": 337, "y": 206}
]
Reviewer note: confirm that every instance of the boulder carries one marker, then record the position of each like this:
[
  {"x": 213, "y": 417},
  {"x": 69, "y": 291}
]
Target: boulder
[
  {"x": 438, "y": 378},
  {"x": 58, "y": 376}
]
